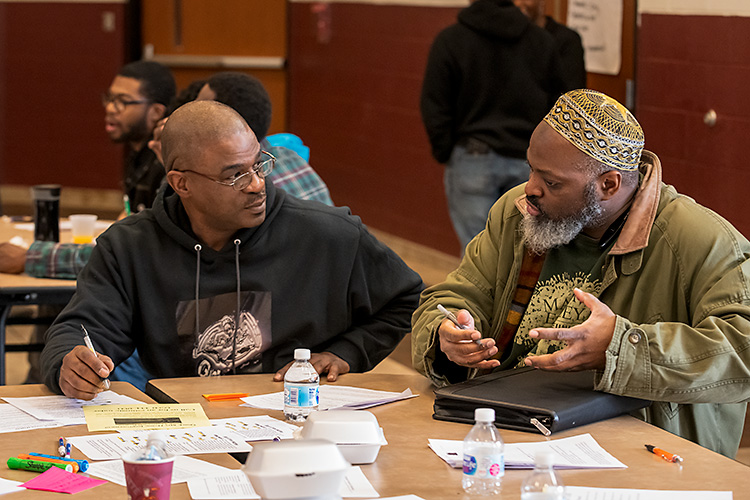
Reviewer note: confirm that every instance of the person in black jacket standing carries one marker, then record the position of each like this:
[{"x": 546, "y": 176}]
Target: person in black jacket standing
[
  {"x": 490, "y": 79},
  {"x": 569, "y": 44}
]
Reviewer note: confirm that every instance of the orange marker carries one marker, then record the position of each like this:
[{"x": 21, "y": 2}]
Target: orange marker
[
  {"x": 24, "y": 456},
  {"x": 669, "y": 457},
  {"x": 225, "y": 396}
]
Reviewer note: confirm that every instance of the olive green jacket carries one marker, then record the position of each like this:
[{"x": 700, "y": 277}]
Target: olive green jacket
[{"x": 678, "y": 280}]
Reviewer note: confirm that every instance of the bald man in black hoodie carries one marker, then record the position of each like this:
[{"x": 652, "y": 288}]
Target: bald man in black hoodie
[
  {"x": 490, "y": 79},
  {"x": 226, "y": 274}
]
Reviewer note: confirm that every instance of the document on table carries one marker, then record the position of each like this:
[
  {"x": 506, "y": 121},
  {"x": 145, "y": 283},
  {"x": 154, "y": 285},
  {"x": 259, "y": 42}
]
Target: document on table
[
  {"x": 585, "y": 493},
  {"x": 67, "y": 411},
  {"x": 8, "y": 486},
  {"x": 333, "y": 397},
  {"x": 575, "y": 452},
  {"x": 258, "y": 428},
  {"x": 14, "y": 420},
  {"x": 195, "y": 440},
  {"x": 235, "y": 485},
  {"x": 151, "y": 416},
  {"x": 184, "y": 468}
]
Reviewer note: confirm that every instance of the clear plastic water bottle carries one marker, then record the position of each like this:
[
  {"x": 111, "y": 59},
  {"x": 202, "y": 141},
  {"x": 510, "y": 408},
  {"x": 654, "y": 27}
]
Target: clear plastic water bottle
[
  {"x": 301, "y": 387},
  {"x": 543, "y": 483},
  {"x": 484, "y": 458},
  {"x": 156, "y": 447}
]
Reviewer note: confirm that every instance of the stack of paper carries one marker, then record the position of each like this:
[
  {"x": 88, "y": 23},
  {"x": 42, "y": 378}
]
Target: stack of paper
[
  {"x": 585, "y": 493},
  {"x": 575, "y": 452},
  {"x": 53, "y": 411},
  {"x": 236, "y": 485},
  {"x": 333, "y": 397}
]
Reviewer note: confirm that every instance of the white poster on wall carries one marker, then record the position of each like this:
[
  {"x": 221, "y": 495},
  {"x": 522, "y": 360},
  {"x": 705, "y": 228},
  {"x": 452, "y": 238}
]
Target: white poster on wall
[{"x": 599, "y": 22}]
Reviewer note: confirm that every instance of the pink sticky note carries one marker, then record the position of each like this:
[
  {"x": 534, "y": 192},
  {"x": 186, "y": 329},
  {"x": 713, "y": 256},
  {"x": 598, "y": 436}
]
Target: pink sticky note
[{"x": 60, "y": 481}]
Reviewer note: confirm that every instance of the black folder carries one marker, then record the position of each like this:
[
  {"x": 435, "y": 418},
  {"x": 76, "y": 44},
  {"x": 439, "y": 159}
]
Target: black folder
[{"x": 558, "y": 400}]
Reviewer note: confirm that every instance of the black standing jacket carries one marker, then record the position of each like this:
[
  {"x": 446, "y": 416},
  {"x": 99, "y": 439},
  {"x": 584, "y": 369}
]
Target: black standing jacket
[{"x": 492, "y": 76}]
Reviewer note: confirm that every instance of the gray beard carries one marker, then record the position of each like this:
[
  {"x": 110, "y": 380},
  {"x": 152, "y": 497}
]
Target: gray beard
[{"x": 541, "y": 233}]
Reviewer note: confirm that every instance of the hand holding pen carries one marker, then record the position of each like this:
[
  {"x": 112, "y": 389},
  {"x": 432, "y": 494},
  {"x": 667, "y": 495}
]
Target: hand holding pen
[
  {"x": 460, "y": 346},
  {"x": 87, "y": 341},
  {"x": 454, "y": 320}
]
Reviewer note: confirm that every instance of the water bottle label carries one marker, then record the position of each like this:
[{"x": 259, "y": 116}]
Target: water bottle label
[
  {"x": 470, "y": 465},
  {"x": 301, "y": 395},
  {"x": 485, "y": 466}
]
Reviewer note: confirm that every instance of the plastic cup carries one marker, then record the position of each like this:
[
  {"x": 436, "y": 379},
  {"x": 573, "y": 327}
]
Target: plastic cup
[
  {"x": 148, "y": 479},
  {"x": 84, "y": 227}
]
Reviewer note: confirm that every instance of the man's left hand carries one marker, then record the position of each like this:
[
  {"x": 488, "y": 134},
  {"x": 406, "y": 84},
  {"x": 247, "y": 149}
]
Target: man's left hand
[
  {"x": 12, "y": 258},
  {"x": 323, "y": 362},
  {"x": 587, "y": 342}
]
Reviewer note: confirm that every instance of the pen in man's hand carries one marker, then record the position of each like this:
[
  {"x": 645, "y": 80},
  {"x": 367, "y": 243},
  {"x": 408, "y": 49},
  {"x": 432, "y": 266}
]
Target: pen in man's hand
[
  {"x": 87, "y": 341},
  {"x": 669, "y": 457},
  {"x": 454, "y": 320}
]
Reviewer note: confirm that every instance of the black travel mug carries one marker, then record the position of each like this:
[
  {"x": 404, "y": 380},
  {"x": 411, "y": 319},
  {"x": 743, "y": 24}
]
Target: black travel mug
[{"x": 46, "y": 212}]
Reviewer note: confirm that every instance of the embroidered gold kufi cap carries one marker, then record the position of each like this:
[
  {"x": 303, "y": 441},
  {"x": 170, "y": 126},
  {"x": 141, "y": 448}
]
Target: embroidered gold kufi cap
[{"x": 599, "y": 126}]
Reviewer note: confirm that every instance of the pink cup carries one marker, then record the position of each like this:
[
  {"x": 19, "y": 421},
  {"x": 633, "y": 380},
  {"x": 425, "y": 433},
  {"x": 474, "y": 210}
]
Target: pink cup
[{"x": 148, "y": 479}]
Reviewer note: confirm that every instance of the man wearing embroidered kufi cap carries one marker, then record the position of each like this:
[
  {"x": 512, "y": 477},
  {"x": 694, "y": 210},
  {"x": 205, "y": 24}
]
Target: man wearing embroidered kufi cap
[{"x": 596, "y": 264}]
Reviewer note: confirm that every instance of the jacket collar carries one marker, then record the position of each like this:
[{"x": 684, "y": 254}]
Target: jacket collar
[{"x": 635, "y": 232}]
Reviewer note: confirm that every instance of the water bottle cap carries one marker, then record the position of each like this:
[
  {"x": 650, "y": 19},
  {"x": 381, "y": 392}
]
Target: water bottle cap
[
  {"x": 301, "y": 354},
  {"x": 544, "y": 459},
  {"x": 484, "y": 415}
]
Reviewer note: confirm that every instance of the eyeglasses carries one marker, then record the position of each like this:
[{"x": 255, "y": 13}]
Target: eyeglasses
[
  {"x": 243, "y": 179},
  {"x": 119, "y": 101}
]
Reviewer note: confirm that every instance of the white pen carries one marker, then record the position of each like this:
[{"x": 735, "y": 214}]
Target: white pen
[
  {"x": 87, "y": 341},
  {"x": 454, "y": 320}
]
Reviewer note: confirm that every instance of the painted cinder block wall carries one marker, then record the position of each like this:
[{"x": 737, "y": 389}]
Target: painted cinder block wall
[
  {"x": 693, "y": 57},
  {"x": 355, "y": 75}
]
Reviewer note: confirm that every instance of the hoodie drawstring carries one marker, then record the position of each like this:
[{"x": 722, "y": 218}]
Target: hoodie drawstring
[
  {"x": 237, "y": 309},
  {"x": 198, "y": 249}
]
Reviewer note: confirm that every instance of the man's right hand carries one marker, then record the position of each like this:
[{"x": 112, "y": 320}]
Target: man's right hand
[
  {"x": 459, "y": 346},
  {"x": 83, "y": 372}
]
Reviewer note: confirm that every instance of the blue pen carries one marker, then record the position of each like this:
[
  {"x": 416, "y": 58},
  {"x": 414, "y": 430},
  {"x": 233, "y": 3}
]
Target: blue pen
[
  {"x": 61, "y": 448},
  {"x": 68, "y": 449},
  {"x": 83, "y": 465}
]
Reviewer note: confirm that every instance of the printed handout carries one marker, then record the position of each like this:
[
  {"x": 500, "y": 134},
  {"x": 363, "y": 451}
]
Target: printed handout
[
  {"x": 333, "y": 397},
  {"x": 67, "y": 411},
  {"x": 585, "y": 493},
  {"x": 195, "y": 440},
  {"x": 575, "y": 452},
  {"x": 184, "y": 468}
]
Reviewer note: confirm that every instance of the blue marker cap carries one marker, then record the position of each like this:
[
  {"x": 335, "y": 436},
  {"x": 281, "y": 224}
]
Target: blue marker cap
[{"x": 83, "y": 465}]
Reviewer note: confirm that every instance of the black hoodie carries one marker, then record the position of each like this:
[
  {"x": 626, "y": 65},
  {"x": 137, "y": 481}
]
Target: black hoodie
[
  {"x": 493, "y": 76},
  {"x": 309, "y": 276}
]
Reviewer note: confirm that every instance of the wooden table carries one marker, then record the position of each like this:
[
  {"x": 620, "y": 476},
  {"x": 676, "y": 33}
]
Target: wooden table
[
  {"x": 45, "y": 441},
  {"x": 407, "y": 466}
]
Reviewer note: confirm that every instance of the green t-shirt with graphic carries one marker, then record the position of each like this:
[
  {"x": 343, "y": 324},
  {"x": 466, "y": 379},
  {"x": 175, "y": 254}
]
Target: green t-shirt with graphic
[{"x": 575, "y": 265}]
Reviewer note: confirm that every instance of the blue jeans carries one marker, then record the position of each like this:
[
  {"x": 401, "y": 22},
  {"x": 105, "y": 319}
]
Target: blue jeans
[
  {"x": 131, "y": 370},
  {"x": 473, "y": 183}
]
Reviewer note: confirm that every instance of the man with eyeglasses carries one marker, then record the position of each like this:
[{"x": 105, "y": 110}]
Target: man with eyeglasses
[
  {"x": 134, "y": 103},
  {"x": 227, "y": 274}
]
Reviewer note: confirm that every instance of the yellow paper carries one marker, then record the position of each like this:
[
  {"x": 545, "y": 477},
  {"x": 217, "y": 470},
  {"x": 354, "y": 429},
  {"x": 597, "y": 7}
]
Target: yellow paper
[{"x": 134, "y": 417}]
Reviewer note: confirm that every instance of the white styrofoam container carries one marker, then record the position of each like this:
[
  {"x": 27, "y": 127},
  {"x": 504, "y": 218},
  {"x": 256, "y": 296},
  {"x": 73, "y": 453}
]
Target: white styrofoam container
[
  {"x": 356, "y": 432},
  {"x": 296, "y": 470}
]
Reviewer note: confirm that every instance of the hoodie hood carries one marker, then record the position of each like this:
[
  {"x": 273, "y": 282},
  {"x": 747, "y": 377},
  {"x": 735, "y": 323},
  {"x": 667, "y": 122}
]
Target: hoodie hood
[{"x": 495, "y": 18}]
